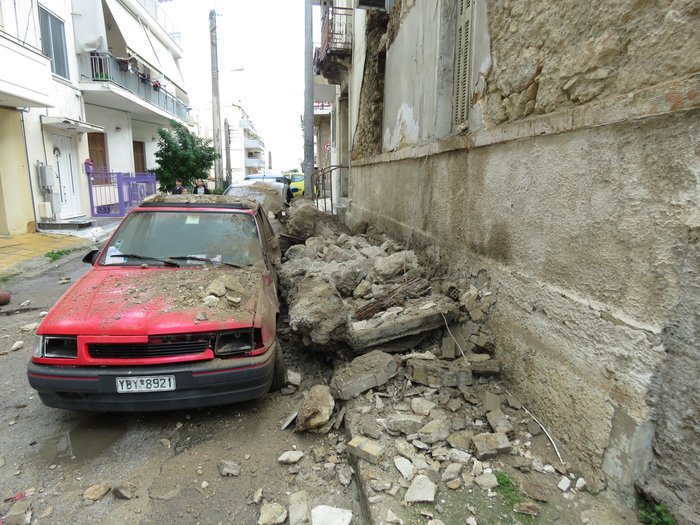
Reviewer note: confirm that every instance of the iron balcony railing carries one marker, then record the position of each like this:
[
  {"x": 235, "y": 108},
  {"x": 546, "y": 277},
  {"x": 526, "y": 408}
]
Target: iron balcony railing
[
  {"x": 105, "y": 68},
  {"x": 336, "y": 32}
]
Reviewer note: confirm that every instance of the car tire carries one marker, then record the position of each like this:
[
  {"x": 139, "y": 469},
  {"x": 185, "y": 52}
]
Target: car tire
[{"x": 279, "y": 376}]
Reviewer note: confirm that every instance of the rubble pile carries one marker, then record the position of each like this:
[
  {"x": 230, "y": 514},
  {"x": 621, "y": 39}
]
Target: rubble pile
[
  {"x": 346, "y": 290},
  {"x": 426, "y": 429}
]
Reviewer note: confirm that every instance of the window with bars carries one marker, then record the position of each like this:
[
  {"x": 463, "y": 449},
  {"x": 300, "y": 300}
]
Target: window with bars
[
  {"x": 53, "y": 42},
  {"x": 462, "y": 69}
]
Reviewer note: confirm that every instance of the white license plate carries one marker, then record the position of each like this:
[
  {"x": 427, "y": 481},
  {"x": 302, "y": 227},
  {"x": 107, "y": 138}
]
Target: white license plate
[{"x": 126, "y": 385}]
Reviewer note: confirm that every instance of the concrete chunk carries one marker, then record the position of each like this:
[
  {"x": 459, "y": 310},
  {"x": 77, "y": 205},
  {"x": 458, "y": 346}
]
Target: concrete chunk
[
  {"x": 436, "y": 430},
  {"x": 439, "y": 373},
  {"x": 499, "y": 423},
  {"x": 488, "y": 446},
  {"x": 404, "y": 423},
  {"x": 326, "y": 515},
  {"x": 299, "y": 509},
  {"x": 363, "y": 373},
  {"x": 486, "y": 368},
  {"x": 421, "y": 490},
  {"x": 366, "y": 448}
]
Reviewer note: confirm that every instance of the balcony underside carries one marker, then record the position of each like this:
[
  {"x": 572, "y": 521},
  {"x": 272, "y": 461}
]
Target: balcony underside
[{"x": 110, "y": 95}]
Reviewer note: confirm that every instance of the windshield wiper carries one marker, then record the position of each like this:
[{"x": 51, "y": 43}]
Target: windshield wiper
[
  {"x": 203, "y": 259},
  {"x": 165, "y": 262}
]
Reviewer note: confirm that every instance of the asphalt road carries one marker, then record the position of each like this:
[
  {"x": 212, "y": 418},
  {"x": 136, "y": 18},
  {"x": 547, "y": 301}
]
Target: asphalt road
[{"x": 170, "y": 458}]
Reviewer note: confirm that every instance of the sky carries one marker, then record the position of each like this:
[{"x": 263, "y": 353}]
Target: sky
[{"x": 266, "y": 40}]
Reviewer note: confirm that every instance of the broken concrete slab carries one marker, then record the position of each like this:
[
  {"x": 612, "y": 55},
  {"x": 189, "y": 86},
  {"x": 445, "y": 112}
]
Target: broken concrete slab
[
  {"x": 316, "y": 408},
  {"x": 363, "y": 373},
  {"x": 488, "y": 368},
  {"x": 488, "y": 446},
  {"x": 461, "y": 439},
  {"x": 413, "y": 320},
  {"x": 421, "y": 406},
  {"x": 405, "y": 467},
  {"x": 317, "y": 310},
  {"x": 490, "y": 402},
  {"x": 272, "y": 514}
]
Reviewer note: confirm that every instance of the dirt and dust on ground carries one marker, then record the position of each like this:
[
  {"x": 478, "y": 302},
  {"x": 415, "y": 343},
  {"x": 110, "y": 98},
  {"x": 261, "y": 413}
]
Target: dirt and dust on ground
[{"x": 431, "y": 432}]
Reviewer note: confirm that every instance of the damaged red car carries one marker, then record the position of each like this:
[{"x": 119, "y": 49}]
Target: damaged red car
[{"x": 178, "y": 310}]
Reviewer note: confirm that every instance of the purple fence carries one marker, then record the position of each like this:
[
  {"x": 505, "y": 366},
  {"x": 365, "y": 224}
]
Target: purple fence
[{"x": 114, "y": 194}]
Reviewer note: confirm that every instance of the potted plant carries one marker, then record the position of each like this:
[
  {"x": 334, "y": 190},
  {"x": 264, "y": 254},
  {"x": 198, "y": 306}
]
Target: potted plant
[
  {"x": 156, "y": 85},
  {"x": 123, "y": 64},
  {"x": 144, "y": 77}
]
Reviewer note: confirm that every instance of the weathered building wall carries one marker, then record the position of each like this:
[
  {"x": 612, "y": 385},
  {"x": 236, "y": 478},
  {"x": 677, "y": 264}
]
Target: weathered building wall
[{"x": 584, "y": 215}]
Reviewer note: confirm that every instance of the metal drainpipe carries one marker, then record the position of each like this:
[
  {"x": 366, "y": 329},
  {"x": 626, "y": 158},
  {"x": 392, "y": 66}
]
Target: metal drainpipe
[{"x": 29, "y": 167}]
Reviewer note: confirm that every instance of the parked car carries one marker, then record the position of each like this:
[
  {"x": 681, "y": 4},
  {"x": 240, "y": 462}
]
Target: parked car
[
  {"x": 279, "y": 180},
  {"x": 178, "y": 311},
  {"x": 297, "y": 183}
]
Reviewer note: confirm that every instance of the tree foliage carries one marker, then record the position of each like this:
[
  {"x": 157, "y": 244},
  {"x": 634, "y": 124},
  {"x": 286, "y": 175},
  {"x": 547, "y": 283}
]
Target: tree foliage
[{"x": 182, "y": 155}]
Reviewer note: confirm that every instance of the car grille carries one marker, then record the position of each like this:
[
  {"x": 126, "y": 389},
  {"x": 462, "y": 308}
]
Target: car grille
[{"x": 163, "y": 346}]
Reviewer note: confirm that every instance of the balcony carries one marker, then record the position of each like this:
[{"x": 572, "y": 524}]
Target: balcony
[
  {"x": 26, "y": 79},
  {"x": 254, "y": 162},
  {"x": 334, "y": 57},
  {"x": 254, "y": 144},
  {"x": 116, "y": 84}
]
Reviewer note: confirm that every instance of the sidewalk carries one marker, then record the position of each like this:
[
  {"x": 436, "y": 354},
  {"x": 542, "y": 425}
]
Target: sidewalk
[{"x": 19, "y": 253}]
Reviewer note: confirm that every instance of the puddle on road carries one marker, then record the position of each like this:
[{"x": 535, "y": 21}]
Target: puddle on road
[{"x": 84, "y": 442}]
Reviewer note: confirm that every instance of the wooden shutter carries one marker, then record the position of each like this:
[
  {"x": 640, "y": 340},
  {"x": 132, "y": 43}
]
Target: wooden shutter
[{"x": 462, "y": 70}]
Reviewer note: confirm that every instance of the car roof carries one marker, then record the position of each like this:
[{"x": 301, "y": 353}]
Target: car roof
[{"x": 200, "y": 201}]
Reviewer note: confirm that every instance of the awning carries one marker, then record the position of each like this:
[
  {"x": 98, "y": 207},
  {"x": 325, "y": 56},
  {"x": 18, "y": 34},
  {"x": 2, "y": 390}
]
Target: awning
[
  {"x": 167, "y": 61},
  {"x": 134, "y": 33},
  {"x": 69, "y": 125}
]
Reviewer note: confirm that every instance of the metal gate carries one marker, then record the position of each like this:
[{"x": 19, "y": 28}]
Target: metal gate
[{"x": 114, "y": 194}]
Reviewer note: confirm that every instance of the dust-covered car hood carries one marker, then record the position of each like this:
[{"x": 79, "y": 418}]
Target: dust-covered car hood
[{"x": 121, "y": 300}]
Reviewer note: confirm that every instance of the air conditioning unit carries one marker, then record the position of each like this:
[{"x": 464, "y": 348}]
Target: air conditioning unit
[{"x": 382, "y": 5}]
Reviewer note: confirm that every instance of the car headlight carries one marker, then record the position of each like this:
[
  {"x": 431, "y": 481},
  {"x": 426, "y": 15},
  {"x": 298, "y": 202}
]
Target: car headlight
[
  {"x": 59, "y": 347},
  {"x": 237, "y": 342}
]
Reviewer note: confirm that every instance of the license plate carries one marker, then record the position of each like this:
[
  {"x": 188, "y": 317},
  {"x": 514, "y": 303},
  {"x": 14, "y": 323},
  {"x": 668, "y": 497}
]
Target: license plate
[{"x": 126, "y": 385}]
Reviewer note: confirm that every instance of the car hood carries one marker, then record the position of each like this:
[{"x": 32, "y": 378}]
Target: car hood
[{"x": 155, "y": 300}]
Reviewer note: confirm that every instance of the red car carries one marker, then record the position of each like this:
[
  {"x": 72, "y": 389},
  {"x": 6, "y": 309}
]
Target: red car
[{"x": 178, "y": 311}]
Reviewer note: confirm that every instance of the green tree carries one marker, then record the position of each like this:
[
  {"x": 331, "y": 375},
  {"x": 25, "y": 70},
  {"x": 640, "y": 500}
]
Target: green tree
[{"x": 182, "y": 155}]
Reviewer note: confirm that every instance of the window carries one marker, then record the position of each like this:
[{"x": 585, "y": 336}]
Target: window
[
  {"x": 462, "y": 69},
  {"x": 53, "y": 42}
]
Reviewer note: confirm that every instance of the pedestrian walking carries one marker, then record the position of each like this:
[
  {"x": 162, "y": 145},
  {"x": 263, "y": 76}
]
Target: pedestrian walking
[{"x": 177, "y": 190}]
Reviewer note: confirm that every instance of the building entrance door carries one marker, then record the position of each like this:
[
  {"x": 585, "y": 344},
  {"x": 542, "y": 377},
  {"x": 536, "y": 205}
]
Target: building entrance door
[{"x": 64, "y": 161}]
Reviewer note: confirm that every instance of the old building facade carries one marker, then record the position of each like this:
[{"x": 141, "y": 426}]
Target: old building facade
[{"x": 556, "y": 146}]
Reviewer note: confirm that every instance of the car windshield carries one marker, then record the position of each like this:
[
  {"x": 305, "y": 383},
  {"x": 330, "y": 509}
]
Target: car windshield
[
  {"x": 297, "y": 178},
  {"x": 191, "y": 238}
]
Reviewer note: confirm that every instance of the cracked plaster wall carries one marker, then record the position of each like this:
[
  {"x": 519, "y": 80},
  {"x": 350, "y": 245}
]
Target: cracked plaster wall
[{"x": 583, "y": 233}]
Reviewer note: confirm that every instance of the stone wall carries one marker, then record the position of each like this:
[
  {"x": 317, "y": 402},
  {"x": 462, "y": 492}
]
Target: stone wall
[{"x": 548, "y": 56}]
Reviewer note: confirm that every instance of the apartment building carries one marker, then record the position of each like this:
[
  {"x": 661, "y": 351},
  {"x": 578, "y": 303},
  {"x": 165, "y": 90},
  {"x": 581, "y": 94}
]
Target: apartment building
[{"x": 80, "y": 80}]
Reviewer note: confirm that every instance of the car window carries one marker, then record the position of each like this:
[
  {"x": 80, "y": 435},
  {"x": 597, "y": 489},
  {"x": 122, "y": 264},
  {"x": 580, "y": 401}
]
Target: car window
[
  {"x": 297, "y": 178},
  {"x": 228, "y": 237}
]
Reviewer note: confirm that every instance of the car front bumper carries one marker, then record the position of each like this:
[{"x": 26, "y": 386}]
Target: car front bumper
[{"x": 198, "y": 384}]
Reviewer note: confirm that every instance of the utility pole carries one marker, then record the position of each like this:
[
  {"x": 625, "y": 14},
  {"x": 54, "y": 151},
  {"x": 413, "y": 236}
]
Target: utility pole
[
  {"x": 227, "y": 142},
  {"x": 269, "y": 160},
  {"x": 308, "y": 99},
  {"x": 215, "y": 103}
]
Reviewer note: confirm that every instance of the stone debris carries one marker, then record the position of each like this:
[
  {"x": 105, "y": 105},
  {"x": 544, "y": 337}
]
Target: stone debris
[
  {"x": 408, "y": 471},
  {"x": 96, "y": 492},
  {"x": 299, "y": 508},
  {"x": 422, "y": 489},
  {"x": 527, "y": 507},
  {"x": 20, "y": 513},
  {"x": 363, "y": 373},
  {"x": 564, "y": 484},
  {"x": 488, "y": 446},
  {"x": 125, "y": 491},
  {"x": 30, "y": 327},
  {"x": 393, "y": 518},
  {"x": 257, "y": 496},
  {"x": 500, "y": 423},
  {"x": 17, "y": 346},
  {"x": 366, "y": 448},
  {"x": 293, "y": 378},
  {"x": 486, "y": 481},
  {"x": 290, "y": 457},
  {"x": 327, "y": 515},
  {"x": 581, "y": 484},
  {"x": 272, "y": 514},
  {"x": 316, "y": 409},
  {"x": 229, "y": 468}
]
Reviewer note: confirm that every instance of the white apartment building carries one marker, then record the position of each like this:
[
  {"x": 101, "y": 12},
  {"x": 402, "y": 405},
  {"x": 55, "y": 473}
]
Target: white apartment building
[{"x": 80, "y": 79}]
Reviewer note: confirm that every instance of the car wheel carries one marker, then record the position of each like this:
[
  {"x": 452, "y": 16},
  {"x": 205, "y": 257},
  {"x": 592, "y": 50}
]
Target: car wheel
[{"x": 279, "y": 376}]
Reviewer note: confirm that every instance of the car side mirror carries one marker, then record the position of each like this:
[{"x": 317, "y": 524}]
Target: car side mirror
[
  {"x": 91, "y": 256},
  {"x": 294, "y": 190}
]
